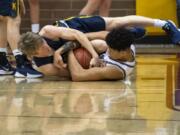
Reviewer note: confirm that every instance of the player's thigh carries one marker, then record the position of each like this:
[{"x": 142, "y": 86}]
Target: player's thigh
[{"x": 13, "y": 23}]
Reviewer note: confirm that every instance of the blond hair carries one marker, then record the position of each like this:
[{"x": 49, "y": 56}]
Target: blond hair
[{"x": 29, "y": 43}]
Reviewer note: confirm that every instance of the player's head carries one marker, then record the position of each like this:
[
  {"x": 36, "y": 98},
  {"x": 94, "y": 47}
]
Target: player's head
[
  {"x": 119, "y": 39},
  {"x": 32, "y": 44}
]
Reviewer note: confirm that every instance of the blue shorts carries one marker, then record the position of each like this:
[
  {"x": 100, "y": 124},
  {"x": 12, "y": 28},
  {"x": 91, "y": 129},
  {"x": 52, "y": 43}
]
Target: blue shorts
[
  {"x": 9, "y": 8},
  {"x": 84, "y": 24}
]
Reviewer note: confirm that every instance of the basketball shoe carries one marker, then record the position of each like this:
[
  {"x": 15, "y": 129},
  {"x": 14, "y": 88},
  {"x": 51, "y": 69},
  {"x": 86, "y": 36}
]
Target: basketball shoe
[
  {"x": 5, "y": 66},
  {"x": 172, "y": 31},
  {"x": 25, "y": 69}
]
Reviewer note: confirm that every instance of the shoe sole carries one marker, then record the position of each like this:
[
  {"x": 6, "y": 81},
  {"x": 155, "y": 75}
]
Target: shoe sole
[
  {"x": 19, "y": 75},
  {"x": 33, "y": 76},
  {"x": 2, "y": 72}
]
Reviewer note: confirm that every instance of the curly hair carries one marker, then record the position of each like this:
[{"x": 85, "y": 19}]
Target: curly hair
[
  {"x": 29, "y": 43},
  {"x": 119, "y": 39}
]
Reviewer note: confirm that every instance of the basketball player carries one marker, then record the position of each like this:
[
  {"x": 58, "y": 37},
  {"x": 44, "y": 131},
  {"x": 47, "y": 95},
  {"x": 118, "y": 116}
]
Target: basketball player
[
  {"x": 9, "y": 32},
  {"x": 72, "y": 29},
  {"x": 116, "y": 63}
]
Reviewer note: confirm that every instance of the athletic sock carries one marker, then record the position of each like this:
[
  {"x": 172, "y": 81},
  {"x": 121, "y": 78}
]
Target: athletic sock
[
  {"x": 16, "y": 52},
  {"x": 35, "y": 28},
  {"x": 19, "y": 58},
  {"x": 3, "y": 50},
  {"x": 159, "y": 23}
]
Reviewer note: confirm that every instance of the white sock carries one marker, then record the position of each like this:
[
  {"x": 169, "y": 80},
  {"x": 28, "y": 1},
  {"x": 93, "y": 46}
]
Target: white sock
[
  {"x": 16, "y": 52},
  {"x": 159, "y": 23},
  {"x": 3, "y": 50},
  {"x": 35, "y": 28}
]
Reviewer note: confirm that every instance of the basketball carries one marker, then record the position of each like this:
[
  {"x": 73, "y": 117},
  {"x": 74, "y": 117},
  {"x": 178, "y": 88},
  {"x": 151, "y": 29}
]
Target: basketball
[{"x": 83, "y": 57}]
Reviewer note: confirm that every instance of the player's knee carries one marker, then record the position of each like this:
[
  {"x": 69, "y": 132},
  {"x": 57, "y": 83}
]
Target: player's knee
[
  {"x": 14, "y": 21},
  {"x": 46, "y": 28}
]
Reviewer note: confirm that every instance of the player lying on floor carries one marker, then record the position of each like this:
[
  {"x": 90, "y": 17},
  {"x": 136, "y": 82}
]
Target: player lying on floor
[
  {"x": 44, "y": 55},
  {"x": 116, "y": 63},
  {"x": 47, "y": 46}
]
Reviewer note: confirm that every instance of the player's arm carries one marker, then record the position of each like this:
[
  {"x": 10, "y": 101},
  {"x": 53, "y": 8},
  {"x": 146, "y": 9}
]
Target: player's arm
[
  {"x": 54, "y": 32},
  {"x": 51, "y": 70},
  {"x": 58, "y": 61},
  {"x": 92, "y": 74},
  {"x": 97, "y": 35}
]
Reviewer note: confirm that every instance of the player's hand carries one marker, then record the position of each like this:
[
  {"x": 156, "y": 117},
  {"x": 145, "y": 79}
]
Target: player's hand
[
  {"x": 58, "y": 61},
  {"x": 96, "y": 62}
]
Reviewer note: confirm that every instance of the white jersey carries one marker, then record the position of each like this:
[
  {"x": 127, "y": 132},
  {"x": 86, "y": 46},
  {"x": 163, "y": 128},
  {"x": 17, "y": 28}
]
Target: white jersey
[{"x": 125, "y": 66}]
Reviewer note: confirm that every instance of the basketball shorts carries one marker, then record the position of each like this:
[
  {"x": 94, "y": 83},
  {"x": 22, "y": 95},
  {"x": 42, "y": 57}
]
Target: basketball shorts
[
  {"x": 9, "y": 8},
  {"x": 84, "y": 24}
]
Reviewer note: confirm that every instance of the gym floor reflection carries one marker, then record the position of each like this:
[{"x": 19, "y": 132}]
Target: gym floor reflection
[{"x": 145, "y": 104}]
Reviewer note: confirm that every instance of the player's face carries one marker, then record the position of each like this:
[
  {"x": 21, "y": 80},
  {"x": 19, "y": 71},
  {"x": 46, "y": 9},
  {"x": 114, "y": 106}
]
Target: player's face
[
  {"x": 116, "y": 55},
  {"x": 44, "y": 50}
]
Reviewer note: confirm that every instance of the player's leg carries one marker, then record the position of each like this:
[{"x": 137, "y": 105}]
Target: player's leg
[
  {"x": 5, "y": 67},
  {"x": 133, "y": 20},
  {"x": 34, "y": 14},
  {"x": 13, "y": 31},
  {"x": 104, "y": 8},
  {"x": 24, "y": 68},
  {"x": 90, "y": 7}
]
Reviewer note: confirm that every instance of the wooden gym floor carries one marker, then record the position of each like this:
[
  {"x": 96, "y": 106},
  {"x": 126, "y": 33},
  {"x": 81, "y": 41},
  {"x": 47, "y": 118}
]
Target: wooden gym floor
[{"x": 142, "y": 105}]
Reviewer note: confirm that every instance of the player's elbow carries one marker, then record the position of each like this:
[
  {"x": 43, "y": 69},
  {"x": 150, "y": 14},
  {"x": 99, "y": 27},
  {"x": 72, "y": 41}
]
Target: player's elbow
[
  {"x": 75, "y": 77},
  {"x": 45, "y": 30}
]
